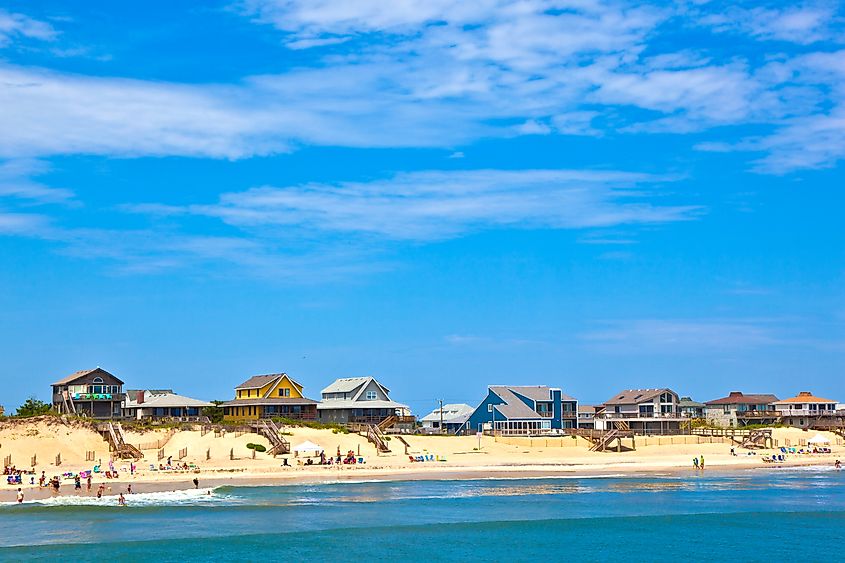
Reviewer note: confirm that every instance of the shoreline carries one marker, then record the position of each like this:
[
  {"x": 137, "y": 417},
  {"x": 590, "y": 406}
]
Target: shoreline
[{"x": 212, "y": 479}]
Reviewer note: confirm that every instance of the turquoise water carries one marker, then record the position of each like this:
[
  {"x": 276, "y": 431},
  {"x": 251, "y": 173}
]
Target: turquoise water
[{"x": 755, "y": 515}]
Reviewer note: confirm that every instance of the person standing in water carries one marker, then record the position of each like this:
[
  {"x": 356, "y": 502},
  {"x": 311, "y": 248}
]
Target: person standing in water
[
  {"x": 121, "y": 500},
  {"x": 196, "y": 483},
  {"x": 20, "y": 495}
]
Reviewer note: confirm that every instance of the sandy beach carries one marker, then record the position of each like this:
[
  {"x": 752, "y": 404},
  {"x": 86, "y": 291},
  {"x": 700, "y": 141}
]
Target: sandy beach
[{"x": 463, "y": 457}]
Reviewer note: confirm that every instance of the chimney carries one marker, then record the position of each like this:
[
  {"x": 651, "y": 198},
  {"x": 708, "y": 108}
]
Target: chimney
[{"x": 140, "y": 397}]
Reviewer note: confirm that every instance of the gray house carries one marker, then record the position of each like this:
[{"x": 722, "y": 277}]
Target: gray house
[
  {"x": 644, "y": 411},
  {"x": 361, "y": 400},
  {"x": 94, "y": 393}
]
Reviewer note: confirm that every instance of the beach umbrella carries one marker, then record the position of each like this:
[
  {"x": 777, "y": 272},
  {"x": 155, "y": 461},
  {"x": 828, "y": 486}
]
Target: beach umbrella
[
  {"x": 818, "y": 439},
  {"x": 308, "y": 447}
]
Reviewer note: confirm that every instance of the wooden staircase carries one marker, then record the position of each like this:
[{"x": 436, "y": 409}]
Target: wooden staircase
[
  {"x": 278, "y": 443},
  {"x": 376, "y": 437},
  {"x": 604, "y": 440},
  {"x": 117, "y": 440},
  {"x": 387, "y": 422},
  {"x": 757, "y": 439},
  {"x": 622, "y": 425}
]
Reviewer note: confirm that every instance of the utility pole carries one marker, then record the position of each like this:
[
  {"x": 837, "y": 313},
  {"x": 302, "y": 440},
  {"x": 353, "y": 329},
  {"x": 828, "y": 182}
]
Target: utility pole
[{"x": 441, "y": 416}]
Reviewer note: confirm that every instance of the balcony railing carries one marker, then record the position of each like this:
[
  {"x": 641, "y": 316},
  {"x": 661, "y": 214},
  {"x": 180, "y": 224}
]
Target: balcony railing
[
  {"x": 808, "y": 412},
  {"x": 758, "y": 414},
  {"x": 375, "y": 419},
  {"x": 629, "y": 415}
]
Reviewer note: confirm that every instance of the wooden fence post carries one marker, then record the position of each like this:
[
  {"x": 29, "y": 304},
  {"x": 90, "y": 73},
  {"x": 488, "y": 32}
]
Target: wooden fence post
[
  {"x": 58, "y": 459},
  {"x": 208, "y": 454},
  {"x": 33, "y": 461},
  {"x": 232, "y": 454}
]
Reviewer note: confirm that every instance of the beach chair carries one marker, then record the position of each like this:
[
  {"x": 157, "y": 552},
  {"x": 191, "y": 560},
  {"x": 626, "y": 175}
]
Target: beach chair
[
  {"x": 783, "y": 450},
  {"x": 411, "y": 458}
]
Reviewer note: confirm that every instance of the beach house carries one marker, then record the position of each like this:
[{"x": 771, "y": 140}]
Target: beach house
[
  {"x": 643, "y": 411},
  {"x": 448, "y": 419},
  {"x": 362, "y": 400},
  {"x": 739, "y": 409},
  {"x": 521, "y": 409},
  {"x": 269, "y": 396},
  {"x": 587, "y": 416},
  {"x": 161, "y": 404},
  {"x": 805, "y": 410},
  {"x": 690, "y": 408},
  {"x": 94, "y": 393}
]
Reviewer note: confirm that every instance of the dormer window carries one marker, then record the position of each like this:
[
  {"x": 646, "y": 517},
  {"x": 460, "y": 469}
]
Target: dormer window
[{"x": 371, "y": 396}]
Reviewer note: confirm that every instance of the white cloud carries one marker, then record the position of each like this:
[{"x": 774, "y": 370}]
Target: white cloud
[
  {"x": 435, "y": 205},
  {"x": 15, "y": 26},
  {"x": 16, "y": 180},
  {"x": 803, "y": 24},
  {"x": 681, "y": 335}
]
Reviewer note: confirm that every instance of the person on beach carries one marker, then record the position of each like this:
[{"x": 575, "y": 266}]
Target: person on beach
[
  {"x": 695, "y": 462},
  {"x": 129, "y": 488},
  {"x": 20, "y": 495},
  {"x": 88, "y": 481},
  {"x": 132, "y": 468},
  {"x": 837, "y": 464},
  {"x": 121, "y": 500},
  {"x": 196, "y": 483},
  {"x": 100, "y": 490},
  {"x": 42, "y": 479},
  {"x": 701, "y": 463},
  {"x": 77, "y": 483}
]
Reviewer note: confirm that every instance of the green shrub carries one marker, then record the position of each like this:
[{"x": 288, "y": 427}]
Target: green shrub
[{"x": 259, "y": 448}]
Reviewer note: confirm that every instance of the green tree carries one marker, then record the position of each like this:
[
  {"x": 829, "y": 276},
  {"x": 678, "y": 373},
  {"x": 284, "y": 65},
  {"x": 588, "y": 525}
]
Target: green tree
[
  {"x": 215, "y": 413},
  {"x": 32, "y": 407}
]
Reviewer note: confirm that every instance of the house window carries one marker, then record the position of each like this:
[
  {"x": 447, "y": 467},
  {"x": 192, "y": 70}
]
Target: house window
[
  {"x": 490, "y": 408},
  {"x": 97, "y": 380},
  {"x": 371, "y": 396},
  {"x": 284, "y": 392}
]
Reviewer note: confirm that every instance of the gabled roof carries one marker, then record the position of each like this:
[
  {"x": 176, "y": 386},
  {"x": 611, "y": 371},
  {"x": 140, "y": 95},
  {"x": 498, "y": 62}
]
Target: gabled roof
[
  {"x": 806, "y": 397},
  {"x": 513, "y": 407},
  {"x": 350, "y": 384},
  {"x": 636, "y": 396},
  {"x": 688, "y": 402},
  {"x": 537, "y": 392},
  {"x": 168, "y": 399},
  {"x": 586, "y": 409},
  {"x": 739, "y": 398},
  {"x": 456, "y": 413},
  {"x": 259, "y": 381},
  {"x": 76, "y": 375}
]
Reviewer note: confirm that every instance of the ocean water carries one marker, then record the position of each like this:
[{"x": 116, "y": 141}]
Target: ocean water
[{"x": 754, "y": 515}]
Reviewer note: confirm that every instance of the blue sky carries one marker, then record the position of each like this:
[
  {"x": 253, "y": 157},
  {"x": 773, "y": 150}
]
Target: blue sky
[{"x": 442, "y": 194}]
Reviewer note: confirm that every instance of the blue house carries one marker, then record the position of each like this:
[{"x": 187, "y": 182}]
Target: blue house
[{"x": 523, "y": 410}]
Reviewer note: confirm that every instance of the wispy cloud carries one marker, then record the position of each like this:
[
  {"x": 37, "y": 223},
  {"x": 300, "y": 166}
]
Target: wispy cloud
[
  {"x": 441, "y": 73},
  {"x": 15, "y": 26},
  {"x": 803, "y": 24},
  {"x": 436, "y": 205},
  {"x": 17, "y": 180},
  {"x": 681, "y": 335}
]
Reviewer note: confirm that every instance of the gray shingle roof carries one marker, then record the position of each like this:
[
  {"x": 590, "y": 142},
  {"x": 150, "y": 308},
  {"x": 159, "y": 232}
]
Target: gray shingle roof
[
  {"x": 76, "y": 375},
  {"x": 259, "y": 381},
  {"x": 349, "y": 384},
  {"x": 513, "y": 407},
  {"x": 635, "y": 396}
]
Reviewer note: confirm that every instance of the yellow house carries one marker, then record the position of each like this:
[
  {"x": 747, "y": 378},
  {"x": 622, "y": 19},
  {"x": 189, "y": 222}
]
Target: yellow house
[{"x": 269, "y": 396}]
